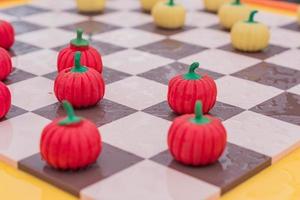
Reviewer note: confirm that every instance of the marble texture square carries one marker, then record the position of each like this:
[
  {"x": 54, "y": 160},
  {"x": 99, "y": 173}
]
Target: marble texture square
[
  {"x": 62, "y": 5},
  {"x": 203, "y": 37},
  {"x": 273, "y": 19},
  {"x": 104, "y": 112},
  {"x": 290, "y": 39},
  {"x": 38, "y": 63},
  {"x": 243, "y": 93},
  {"x": 21, "y": 27},
  {"x": 151, "y": 27},
  {"x": 129, "y": 38},
  {"x": 41, "y": 38},
  {"x": 105, "y": 48},
  {"x": 54, "y": 19},
  {"x": 165, "y": 73},
  {"x": 140, "y": 137},
  {"x": 90, "y": 27},
  {"x": 161, "y": 110},
  {"x": 225, "y": 111},
  {"x": 20, "y": 48},
  {"x": 20, "y": 137},
  {"x": 7, "y": 17},
  {"x": 285, "y": 107},
  {"x": 295, "y": 90},
  {"x": 111, "y": 75},
  {"x": 223, "y": 62},
  {"x": 271, "y": 74},
  {"x": 263, "y": 134},
  {"x": 236, "y": 165},
  {"x": 123, "y": 5},
  {"x": 117, "y": 18},
  {"x": 293, "y": 26},
  {"x": 23, "y": 10},
  {"x": 171, "y": 49},
  {"x": 39, "y": 93},
  {"x": 289, "y": 59},
  {"x": 14, "y": 111},
  {"x": 136, "y": 92},
  {"x": 197, "y": 19},
  {"x": 111, "y": 161},
  {"x": 134, "y": 61},
  {"x": 150, "y": 181},
  {"x": 17, "y": 75}
]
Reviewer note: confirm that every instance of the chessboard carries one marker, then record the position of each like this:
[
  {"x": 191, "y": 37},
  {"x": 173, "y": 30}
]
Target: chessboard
[{"x": 258, "y": 98}]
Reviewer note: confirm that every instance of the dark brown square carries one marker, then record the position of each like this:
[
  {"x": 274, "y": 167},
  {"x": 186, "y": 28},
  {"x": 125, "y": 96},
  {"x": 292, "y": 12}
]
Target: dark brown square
[
  {"x": 90, "y": 27},
  {"x": 105, "y": 48},
  {"x": 236, "y": 165},
  {"x": 24, "y": 10},
  {"x": 21, "y": 48},
  {"x": 165, "y": 73},
  {"x": 285, "y": 107},
  {"x": 150, "y": 27},
  {"x": 172, "y": 49},
  {"x": 14, "y": 112},
  {"x": 225, "y": 111},
  {"x": 91, "y": 14},
  {"x": 111, "y": 161},
  {"x": 51, "y": 75},
  {"x": 271, "y": 74},
  {"x": 104, "y": 112},
  {"x": 18, "y": 75},
  {"x": 111, "y": 75},
  {"x": 218, "y": 27},
  {"x": 161, "y": 110},
  {"x": 272, "y": 50},
  {"x": 25, "y": 27},
  {"x": 294, "y": 26}
]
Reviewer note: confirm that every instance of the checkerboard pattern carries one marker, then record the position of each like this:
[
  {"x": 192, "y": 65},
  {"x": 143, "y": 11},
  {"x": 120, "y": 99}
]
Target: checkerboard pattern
[{"x": 258, "y": 99}]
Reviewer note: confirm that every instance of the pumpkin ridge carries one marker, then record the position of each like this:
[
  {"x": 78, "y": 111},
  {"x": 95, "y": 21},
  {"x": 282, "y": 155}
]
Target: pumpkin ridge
[{"x": 181, "y": 132}]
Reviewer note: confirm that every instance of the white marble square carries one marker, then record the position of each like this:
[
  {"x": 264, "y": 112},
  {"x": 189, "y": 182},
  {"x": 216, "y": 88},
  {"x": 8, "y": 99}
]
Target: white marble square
[
  {"x": 33, "y": 93},
  {"x": 123, "y": 5},
  {"x": 129, "y": 38},
  {"x": 145, "y": 135},
  {"x": 285, "y": 38},
  {"x": 290, "y": 58},
  {"x": 124, "y": 18},
  {"x": 39, "y": 62},
  {"x": 46, "y": 38},
  {"x": 20, "y": 137},
  {"x": 273, "y": 20},
  {"x": 295, "y": 89},
  {"x": 8, "y": 18},
  {"x": 243, "y": 93},
  {"x": 150, "y": 181},
  {"x": 201, "y": 19},
  {"x": 134, "y": 61},
  {"x": 54, "y": 19},
  {"x": 263, "y": 134},
  {"x": 220, "y": 61},
  {"x": 136, "y": 92},
  {"x": 203, "y": 37},
  {"x": 54, "y": 5}
]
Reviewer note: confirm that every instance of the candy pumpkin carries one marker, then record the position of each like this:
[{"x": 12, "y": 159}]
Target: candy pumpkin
[
  {"x": 230, "y": 13},
  {"x": 80, "y": 85},
  {"x": 185, "y": 90},
  {"x": 169, "y": 15},
  {"x": 250, "y": 36},
  {"x": 194, "y": 139},
  {"x": 5, "y": 64},
  {"x": 7, "y": 34},
  {"x": 147, "y": 5},
  {"x": 90, "y": 56},
  {"x": 5, "y": 100},
  {"x": 214, "y": 5},
  {"x": 71, "y": 143},
  {"x": 90, "y": 6},
  {"x": 298, "y": 15}
]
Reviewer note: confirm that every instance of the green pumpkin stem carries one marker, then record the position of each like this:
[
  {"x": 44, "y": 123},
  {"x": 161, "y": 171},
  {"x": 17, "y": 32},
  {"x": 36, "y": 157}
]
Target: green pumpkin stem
[
  {"x": 79, "y": 41},
  {"x": 236, "y": 2},
  {"x": 71, "y": 117},
  {"x": 171, "y": 3},
  {"x": 192, "y": 75},
  {"x": 199, "y": 118},
  {"x": 251, "y": 16},
  {"x": 78, "y": 67}
]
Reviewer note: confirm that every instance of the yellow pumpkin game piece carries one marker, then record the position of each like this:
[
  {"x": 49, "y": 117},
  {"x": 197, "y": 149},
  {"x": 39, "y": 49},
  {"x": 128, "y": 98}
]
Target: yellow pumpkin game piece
[
  {"x": 298, "y": 15},
  {"x": 230, "y": 13},
  {"x": 169, "y": 15},
  {"x": 213, "y": 5},
  {"x": 90, "y": 6},
  {"x": 147, "y": 5},
  {"x": 250, "y": 36}
]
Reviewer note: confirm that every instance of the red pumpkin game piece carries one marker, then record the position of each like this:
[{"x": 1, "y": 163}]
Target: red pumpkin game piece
[
  {"x": 195, "y": 139},
  {"x": 185, "y": 90},
  {"x": 71, "y": 143},
  {"x": 7, "y": 34},
  {"x": 5, "y": 64},
  {"x": 90, "y": 56},
  {"x": 5, "y": 100},
  {"x": 80, "y": 85}
]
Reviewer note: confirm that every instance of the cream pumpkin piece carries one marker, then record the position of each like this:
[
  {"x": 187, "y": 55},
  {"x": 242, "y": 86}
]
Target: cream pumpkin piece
[
  {"x": 298, "y": 15},
  {"x": 90, "y": 6},
  {"x": 230, "y": 13},
  {"x": 214, "y": 5},
  {"x": 250, "y": 36},
  {"x": 169, "y": 15},
  {"x": 147, "y": 5}
]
